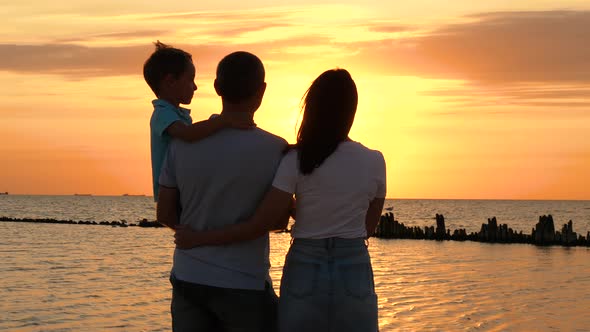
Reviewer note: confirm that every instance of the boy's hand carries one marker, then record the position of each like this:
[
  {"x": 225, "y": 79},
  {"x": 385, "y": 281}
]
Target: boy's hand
[
  {"x": 185, "y": 237},
  {"x": 237, "y": 122}
]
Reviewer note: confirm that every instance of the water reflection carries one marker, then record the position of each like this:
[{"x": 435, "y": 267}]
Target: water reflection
[{"x": 72, "y": 277}]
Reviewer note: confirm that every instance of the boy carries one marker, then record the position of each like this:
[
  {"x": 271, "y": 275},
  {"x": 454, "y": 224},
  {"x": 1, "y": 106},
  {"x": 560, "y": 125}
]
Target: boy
[{"x": 170, "y": 73}]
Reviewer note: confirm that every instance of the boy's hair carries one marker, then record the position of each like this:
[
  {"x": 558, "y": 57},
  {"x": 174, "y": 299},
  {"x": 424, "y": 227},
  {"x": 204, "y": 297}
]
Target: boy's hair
[
  {"x": 239, "y": 76},
  {"x": 165, "y": 60}
]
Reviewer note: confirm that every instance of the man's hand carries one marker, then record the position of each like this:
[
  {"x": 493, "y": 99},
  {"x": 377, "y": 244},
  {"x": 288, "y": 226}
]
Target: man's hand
[{"x": 185, "y": 237}]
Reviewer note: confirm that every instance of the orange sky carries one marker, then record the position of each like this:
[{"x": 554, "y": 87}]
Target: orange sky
[{"x": 466, "y": 100}]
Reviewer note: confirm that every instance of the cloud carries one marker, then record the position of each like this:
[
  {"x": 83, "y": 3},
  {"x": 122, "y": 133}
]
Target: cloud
[
  {"x": 79, "y": 62},
  {"x": 388, "y": 28},
  {"x": 549, "y": 46},
  {"x": 73, "y": 60},
  {"x": 115, "y": 36},
  {"x": 242, "y": 15},
  {"x": 236, "y": 29},
  {"x": 555, "y": 98}
]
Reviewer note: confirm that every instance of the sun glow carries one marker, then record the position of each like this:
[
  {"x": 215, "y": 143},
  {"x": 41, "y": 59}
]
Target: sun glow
[{"x": 463, "y": 104}]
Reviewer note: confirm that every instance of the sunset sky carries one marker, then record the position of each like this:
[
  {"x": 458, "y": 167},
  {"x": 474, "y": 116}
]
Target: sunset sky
[{"x": 466, "y": 99}]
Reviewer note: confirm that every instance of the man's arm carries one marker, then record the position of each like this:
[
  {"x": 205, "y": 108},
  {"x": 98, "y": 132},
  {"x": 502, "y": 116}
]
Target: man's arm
[
  {"x": 373, "y": 215},
  {"x": 167, "y": 207},
  {"x": 271, "y": 212},
  {"x": 205, "y": 128}
]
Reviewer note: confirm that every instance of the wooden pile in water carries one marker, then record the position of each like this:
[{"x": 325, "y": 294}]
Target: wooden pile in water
[{"x": 542, "y": 234}]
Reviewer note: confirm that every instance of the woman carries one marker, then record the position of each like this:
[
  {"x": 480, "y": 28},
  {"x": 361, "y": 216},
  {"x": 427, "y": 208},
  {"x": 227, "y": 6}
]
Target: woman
[{"x": 339, "y": 187}]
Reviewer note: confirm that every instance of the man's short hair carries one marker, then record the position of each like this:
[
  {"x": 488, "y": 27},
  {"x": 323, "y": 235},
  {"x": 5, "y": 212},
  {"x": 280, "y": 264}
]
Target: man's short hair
[
  {"x": 239, "y": 76},
  {"x": 164, "y": 61}
]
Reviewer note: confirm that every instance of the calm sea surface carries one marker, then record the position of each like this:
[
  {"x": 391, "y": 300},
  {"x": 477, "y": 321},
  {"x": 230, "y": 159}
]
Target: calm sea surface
[{"x": 94, "y": 278}]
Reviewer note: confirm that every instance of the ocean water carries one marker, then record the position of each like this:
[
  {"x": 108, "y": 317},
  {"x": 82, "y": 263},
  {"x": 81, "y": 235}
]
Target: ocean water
[
  {"x": 96, "y": 278},
  {"x": 468, "y": 214}
]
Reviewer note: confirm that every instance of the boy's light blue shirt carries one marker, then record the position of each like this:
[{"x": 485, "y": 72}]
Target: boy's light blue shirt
[{"x": 164, "y": 115}]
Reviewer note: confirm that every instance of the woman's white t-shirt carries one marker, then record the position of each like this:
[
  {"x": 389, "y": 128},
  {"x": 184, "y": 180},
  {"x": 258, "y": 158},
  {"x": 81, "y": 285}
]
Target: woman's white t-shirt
[{"x": 333, "y": 200}]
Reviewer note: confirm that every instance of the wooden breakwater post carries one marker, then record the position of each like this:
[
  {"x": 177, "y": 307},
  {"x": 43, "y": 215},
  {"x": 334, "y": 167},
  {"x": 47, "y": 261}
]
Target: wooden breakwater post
[
  {"x": 494, "y": 233},
  {"x": 441, "y": 230},
  {"x": 544, "y": 231},
  {"x": 389, "y": 228},
  {"x": 542, "y": 234}
]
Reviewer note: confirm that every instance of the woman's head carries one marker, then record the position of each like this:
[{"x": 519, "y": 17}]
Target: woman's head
[{"x": 328, "y": 113}]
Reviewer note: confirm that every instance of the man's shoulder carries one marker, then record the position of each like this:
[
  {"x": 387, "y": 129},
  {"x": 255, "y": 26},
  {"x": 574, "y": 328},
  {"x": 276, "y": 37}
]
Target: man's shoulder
[{"x": 270, "y": 137}]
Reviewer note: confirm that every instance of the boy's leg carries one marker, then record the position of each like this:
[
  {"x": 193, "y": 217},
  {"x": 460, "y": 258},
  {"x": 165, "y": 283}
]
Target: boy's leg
[{"x": 239, "y": 310}]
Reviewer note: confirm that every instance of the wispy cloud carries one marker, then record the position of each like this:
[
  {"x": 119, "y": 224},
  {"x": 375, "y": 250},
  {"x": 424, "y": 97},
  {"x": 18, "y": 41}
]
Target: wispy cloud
[
  {"x": 494, "y": 48},
  {"x": 72, "y": 60},
  {"x": 386, "y": 28},
  {"x": 490, "y": 48},
  {"x": 563, "y": 97},
  {"x": 241, "y": 15},
  {"x": 114, "y": 36}
]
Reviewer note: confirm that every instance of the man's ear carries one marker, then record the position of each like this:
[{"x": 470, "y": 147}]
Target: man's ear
[
  {"x": 216, "y": 86},
  {"x": 261, "y": 90}
]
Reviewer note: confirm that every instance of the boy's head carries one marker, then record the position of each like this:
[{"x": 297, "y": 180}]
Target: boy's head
[
  {"x": 240, "y": 77},
  {"x": 170, "y": 70}
]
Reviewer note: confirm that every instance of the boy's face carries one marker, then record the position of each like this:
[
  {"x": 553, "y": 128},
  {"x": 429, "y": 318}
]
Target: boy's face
[{"x": 184, "y": 87}]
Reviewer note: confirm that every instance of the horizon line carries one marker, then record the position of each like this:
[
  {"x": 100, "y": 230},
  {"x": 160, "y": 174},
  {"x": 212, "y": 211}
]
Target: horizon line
[{"x": 387, "y": 198}]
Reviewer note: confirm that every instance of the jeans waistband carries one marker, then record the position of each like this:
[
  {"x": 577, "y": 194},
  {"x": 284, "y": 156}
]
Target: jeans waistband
[{"x": 331, "y": 242}]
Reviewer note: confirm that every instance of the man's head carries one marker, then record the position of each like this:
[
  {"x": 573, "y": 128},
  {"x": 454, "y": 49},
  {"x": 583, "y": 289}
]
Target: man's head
[
  {"x": 240, "y": 79},
  {"x": 170, "y": 73}
]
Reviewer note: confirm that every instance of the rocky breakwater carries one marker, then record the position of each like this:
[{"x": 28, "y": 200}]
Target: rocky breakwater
[
  {"x": 542, "y": 234},
  {"x": 121, "y": 223}
]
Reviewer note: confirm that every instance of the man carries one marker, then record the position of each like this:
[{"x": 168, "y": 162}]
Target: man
[{"x": 219, "y": 181}]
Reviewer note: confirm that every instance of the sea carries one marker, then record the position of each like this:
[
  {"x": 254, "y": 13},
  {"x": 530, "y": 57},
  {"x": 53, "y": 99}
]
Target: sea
[{"x": 56, "y": 277}]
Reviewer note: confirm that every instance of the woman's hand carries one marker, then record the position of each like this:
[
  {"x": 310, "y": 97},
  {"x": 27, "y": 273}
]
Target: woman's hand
[{"x": 185, "y": 237}]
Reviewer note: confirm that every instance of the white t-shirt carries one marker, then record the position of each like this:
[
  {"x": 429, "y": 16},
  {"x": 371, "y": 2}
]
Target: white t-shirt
[{"x": 333, "y": 200}]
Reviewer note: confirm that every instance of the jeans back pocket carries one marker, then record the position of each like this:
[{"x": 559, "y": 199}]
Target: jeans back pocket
[
  {"x": 357, "y": 279},
  {"x": 299, "y": 278}
]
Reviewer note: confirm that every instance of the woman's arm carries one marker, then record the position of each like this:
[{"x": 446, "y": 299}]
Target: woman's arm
[
  {"x": 373, "y": 215},
  {"x": 270, "y": 214}
]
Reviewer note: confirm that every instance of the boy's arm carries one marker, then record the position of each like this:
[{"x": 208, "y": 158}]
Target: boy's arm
[
  {"x": 273, "y": 210},
  {"x": 205, "y": 128},
  {"x": 167, "y": 207}
]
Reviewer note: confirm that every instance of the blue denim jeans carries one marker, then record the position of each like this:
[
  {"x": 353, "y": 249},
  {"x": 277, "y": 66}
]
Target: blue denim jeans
[{"x": 327, "y": 285}]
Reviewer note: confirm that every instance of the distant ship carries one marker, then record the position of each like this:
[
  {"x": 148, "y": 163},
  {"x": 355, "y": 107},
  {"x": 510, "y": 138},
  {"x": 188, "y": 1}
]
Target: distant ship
[
  {"x": 133, "y": 195},
  {"x": 82, "y": 194},
  {"x": 4, "y": 193}
]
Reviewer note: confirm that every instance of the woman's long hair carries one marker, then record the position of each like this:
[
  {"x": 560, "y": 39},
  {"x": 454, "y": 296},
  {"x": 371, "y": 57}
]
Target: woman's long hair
[{"x": 328, "y": 113}]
